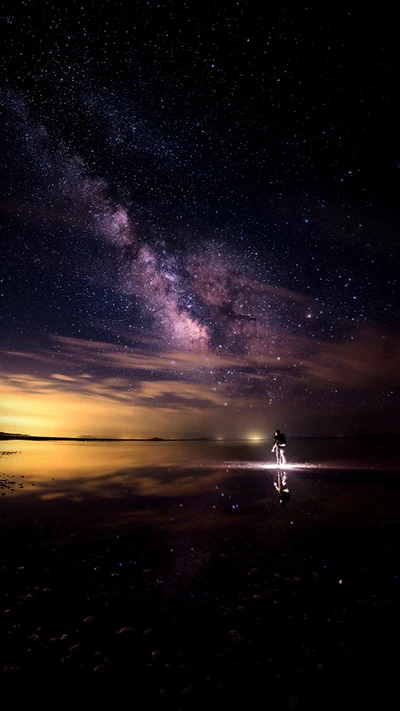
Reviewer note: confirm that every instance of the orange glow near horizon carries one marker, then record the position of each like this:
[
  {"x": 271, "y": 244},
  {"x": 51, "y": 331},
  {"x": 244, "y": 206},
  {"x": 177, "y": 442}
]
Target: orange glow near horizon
[
  {"x": 57, "y": 414},
  {"x": 79, "y": 388},
  {"x": 76, "y": 415},
  {"x": 61, "y": 406}
]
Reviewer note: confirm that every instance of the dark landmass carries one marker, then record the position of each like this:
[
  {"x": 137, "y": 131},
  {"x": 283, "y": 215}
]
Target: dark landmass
[
  {"x": 36, "y": 438},
  {"x": 394, "y": 436}
]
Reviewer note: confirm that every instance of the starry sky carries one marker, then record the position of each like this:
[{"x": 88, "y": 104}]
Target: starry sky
[{"x": 199, "y": 223}]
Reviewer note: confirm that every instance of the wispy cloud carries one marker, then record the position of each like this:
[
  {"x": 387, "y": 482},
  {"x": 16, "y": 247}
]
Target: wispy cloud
[{"x": 76, "y": 385}]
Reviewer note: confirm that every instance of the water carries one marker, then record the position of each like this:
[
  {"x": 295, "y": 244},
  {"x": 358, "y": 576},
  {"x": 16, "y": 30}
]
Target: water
[
  {"x": 196, "y": 486},
  {"x": 74, "y": 461},
  {"x": 187, "y": 546}
]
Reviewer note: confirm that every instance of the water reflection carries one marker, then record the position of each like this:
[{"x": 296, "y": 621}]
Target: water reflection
[
  {"x": 281, "y": 486},
  {"x": 182, "y": 485},
  {"x": 52, "y": 470},
  {"x": 106, "y": 469},
  {"x": 178, "y": 486},
  {"x": 74, "y": 459}
]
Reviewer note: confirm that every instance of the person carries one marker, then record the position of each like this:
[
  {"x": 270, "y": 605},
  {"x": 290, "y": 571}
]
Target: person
[{"x": 279, "y": 447}]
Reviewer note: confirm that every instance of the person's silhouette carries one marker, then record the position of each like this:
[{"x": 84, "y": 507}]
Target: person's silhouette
[{"x": 279, "y": 447}]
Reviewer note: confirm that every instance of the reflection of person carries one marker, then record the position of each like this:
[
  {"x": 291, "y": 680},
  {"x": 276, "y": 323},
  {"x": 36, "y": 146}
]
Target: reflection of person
[
  {"x": 282, "y": 488},
  {"x": 279, "y": 447}
]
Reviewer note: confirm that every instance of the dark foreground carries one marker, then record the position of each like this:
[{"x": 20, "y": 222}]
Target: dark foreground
[{"x": 195, "y": 605}]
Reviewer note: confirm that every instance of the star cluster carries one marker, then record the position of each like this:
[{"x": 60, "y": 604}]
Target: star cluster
[{"x": 215, "y": 184}]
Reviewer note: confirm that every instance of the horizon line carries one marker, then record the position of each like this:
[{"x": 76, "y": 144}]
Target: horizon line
[{"x": 13, "y": 436}]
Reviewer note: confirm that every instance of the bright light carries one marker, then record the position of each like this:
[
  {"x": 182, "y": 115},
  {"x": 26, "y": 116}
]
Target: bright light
[
  {"x": 269, "y": 466},
  {"x": 256, "y": 438}
]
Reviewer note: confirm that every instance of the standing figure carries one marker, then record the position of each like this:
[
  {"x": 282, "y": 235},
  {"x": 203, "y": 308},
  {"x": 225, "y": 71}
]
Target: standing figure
[{"x": 279, "y": 448}]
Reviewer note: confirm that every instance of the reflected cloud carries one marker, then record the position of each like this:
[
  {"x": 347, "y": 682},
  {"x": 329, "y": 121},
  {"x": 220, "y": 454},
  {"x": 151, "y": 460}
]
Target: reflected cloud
[{"x": 65, "y": 469}]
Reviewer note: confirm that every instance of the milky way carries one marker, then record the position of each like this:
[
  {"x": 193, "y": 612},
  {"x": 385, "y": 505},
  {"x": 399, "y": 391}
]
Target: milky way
[
  {"x": 234, "y": 312},
  {"x": 185, "y": 190}
]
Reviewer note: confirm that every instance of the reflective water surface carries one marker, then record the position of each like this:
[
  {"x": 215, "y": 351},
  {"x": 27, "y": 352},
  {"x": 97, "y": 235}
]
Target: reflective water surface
[
  {"x": 136, "y": 568},
  {"x": 198, "y": 485}
]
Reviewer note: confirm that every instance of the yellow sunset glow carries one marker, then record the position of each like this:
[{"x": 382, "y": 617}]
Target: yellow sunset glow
[{"x": 74, "y": 407}]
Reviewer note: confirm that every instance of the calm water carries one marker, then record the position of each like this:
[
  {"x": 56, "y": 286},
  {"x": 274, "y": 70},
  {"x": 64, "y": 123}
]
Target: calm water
[{"x": 198, "y": 486}]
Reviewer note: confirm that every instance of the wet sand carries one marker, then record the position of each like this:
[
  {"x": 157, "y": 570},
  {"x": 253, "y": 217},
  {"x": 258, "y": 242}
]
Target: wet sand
[{"x": 199, "y": 589}]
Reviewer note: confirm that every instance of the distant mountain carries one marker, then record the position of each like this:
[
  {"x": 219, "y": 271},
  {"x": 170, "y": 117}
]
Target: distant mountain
[
  {"x": 9, "y": 435},
  {"x": 82, "y": 438}
]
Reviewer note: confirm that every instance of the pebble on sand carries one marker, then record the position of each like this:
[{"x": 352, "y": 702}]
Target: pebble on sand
[{"x": 125, "y": 631}]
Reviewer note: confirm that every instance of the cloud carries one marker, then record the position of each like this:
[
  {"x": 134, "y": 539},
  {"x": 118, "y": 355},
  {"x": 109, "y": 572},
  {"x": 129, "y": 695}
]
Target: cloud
[
  {"x": 370, "y": 361},
  {"x": 76, "y": 385}
]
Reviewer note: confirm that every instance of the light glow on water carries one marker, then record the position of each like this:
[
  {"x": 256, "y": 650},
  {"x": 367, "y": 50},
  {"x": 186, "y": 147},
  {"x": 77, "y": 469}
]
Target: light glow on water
[{"x": 273, "y": 466}]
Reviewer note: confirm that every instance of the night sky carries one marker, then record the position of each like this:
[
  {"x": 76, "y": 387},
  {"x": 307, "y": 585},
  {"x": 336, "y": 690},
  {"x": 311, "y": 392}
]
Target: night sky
[{"x": 199, "y": 219}]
